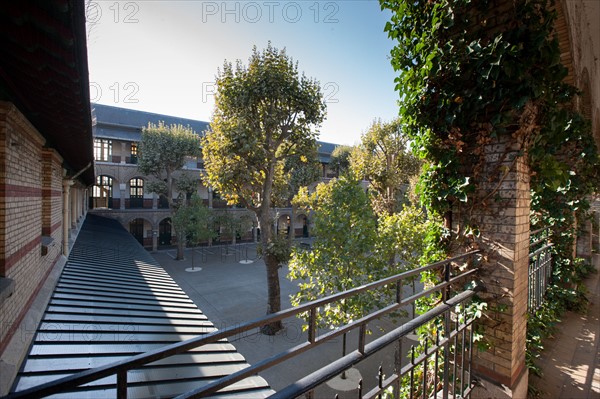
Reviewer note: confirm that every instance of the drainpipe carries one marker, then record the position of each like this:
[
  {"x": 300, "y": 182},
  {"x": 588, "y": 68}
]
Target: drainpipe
[{"x": 67, "y": 183}]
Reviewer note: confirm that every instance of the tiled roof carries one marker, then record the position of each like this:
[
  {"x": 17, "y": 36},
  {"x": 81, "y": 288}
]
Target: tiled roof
[
  {"x": 126, "y": 124},
  {"x": 112, "y": 301}
]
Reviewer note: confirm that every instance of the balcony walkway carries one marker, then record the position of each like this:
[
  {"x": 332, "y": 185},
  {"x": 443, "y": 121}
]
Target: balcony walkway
[
  {"x": 113, "y": 301},
  {"x": 571, "y": 360}
]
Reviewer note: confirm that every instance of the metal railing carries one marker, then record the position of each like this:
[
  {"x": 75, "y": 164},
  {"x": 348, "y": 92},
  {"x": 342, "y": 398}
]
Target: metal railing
[
  {"x": 540, "y": 269},
  {"x": 451, "y": 346}
]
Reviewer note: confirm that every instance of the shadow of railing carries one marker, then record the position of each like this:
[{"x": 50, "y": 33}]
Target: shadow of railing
[{"x": 442, "y": 367}]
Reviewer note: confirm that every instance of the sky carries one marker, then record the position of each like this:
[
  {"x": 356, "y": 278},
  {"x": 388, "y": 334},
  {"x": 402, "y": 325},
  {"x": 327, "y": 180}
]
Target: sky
[{"x": 162, "y": 56}]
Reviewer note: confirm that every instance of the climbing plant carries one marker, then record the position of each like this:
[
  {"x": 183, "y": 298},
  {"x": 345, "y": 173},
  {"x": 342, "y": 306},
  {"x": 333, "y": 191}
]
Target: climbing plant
[
  {"x": 475, "y": 73},
  {"x": 471, "y": 72}
]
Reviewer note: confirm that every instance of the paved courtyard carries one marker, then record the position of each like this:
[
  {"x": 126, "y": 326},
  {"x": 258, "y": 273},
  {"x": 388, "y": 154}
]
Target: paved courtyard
[{"x": 230, "y": 292}]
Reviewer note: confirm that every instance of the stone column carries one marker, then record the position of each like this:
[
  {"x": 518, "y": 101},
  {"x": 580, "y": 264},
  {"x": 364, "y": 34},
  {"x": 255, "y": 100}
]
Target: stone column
[
  {"x": 501, "y": 212},
  {"x": 154, "y": 240},
  {"x": 154, "y": 201},
  {"x": 122, "y": 188}
]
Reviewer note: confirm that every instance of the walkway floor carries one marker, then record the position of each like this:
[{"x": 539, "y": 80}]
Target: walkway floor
[{"x": 571, "y": 359}]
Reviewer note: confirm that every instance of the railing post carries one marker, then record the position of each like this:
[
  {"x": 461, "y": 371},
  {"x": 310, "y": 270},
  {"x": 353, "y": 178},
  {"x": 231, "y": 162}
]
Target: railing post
[{"x": 312, "y": 325}]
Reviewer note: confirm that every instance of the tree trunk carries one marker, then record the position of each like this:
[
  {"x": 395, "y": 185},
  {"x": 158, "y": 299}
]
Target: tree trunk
[
  {"x": 271, "y": 262},
  {"x": 274, "y": 293}
]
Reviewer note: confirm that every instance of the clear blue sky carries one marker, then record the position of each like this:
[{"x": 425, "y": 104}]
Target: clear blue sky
[{"x": 162, "y": 56}]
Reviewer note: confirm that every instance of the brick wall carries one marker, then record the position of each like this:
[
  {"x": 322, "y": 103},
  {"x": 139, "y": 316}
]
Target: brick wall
[
  {"x": 500, "y": 208},
  {"x": 30, "y": 206}
]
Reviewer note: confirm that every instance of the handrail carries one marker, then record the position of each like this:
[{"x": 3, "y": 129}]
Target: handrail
[
  {"x": 120, "y": 368},
  {"x": 318, "y": 377}
]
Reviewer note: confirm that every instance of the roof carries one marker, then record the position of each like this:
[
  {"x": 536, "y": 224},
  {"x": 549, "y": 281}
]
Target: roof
[
  {"x": 112, "y": 301},
  {"x": 44, "y": 73},
  {"x": 126, "y": 124}
]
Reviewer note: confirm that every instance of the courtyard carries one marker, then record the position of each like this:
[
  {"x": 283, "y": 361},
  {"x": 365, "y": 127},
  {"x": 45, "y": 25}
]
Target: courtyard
[{"x": 230, "y": 291}]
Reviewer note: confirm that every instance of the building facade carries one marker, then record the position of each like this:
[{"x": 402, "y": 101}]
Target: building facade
[
  {"x": 120, "y": 188},
  {"x": 46, "y": 162}
]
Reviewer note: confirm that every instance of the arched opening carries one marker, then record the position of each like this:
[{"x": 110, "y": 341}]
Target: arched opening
[
  {"x": 165, "y": 232},
  {"x": 284, "y": 224},
  {"x": 136, "y": 193},
  {"x": 137, "y": 227},
  {"x": 301, "y": 226},
  {"x": 102, "y": 193}
]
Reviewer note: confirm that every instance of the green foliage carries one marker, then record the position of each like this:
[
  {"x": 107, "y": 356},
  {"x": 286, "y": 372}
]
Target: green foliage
[
  {"x": 463, "y": 83},
  {"x": 384, "y": 159},
  {"x": 344, "y": 227},
  {"x": 164, "y": 149},
  {"x": 193, "y": 221},
  {"x": 187, "y": 184},
  {"x": 300, "y": 170},
  {"x": 352, "y": 247},
  {"x": 231, "y": 224},
  {"x": 265, "y": 113},
  {"x": 339, "y": 161}
]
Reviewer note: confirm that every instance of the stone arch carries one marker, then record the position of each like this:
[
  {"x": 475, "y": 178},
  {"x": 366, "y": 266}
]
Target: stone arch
[
  {"x": 165, "y": 231},
  {"x": 284, "y": 223},
  {"x": 141, "y": 229}
]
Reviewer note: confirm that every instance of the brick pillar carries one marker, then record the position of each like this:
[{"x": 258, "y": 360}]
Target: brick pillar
[
  {"x": 584, "y": 239},
  {"x": 67, "y": 183},
  {"x": 501, "y": 212},
  {"x": 122, "y": 188}
]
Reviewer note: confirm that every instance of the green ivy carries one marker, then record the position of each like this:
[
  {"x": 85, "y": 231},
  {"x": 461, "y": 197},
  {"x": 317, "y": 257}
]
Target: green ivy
[{"x": 467, "y": 75}]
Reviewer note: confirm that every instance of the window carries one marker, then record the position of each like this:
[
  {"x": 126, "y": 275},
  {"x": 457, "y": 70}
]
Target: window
[
  {"x": 102, "y": 192},
  {"x": 136, "y": 193},
  {"x": 134, "y": 153},
  {"x": 103, "y": 150}
]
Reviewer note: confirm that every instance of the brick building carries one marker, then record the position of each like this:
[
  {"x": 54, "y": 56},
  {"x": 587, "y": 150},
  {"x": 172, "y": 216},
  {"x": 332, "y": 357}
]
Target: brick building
[
  {"x": 46, "y": 161},
  {"x": 119, "y": 191}
]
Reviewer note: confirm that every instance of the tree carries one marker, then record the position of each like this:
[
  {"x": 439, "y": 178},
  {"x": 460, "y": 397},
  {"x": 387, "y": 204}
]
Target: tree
[
  {"x": 231, "y": 224},
  {"x": 193, "y": 222},
  {"x": 301, "y": 170},
  {"x": 383, "y": 158},
  {"x": 163, "y": 151},
  {"x": 344, "y": 227},
  {"x": 339, "y": 161},
  {"x": 264, "y": 114},
  {"x": 352, "y": 247}
]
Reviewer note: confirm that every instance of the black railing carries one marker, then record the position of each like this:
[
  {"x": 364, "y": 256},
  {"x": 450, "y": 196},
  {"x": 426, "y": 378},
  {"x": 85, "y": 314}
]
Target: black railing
[
  {"x": 451, "y": 347},
  {"x": 540, "y": 269}
]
